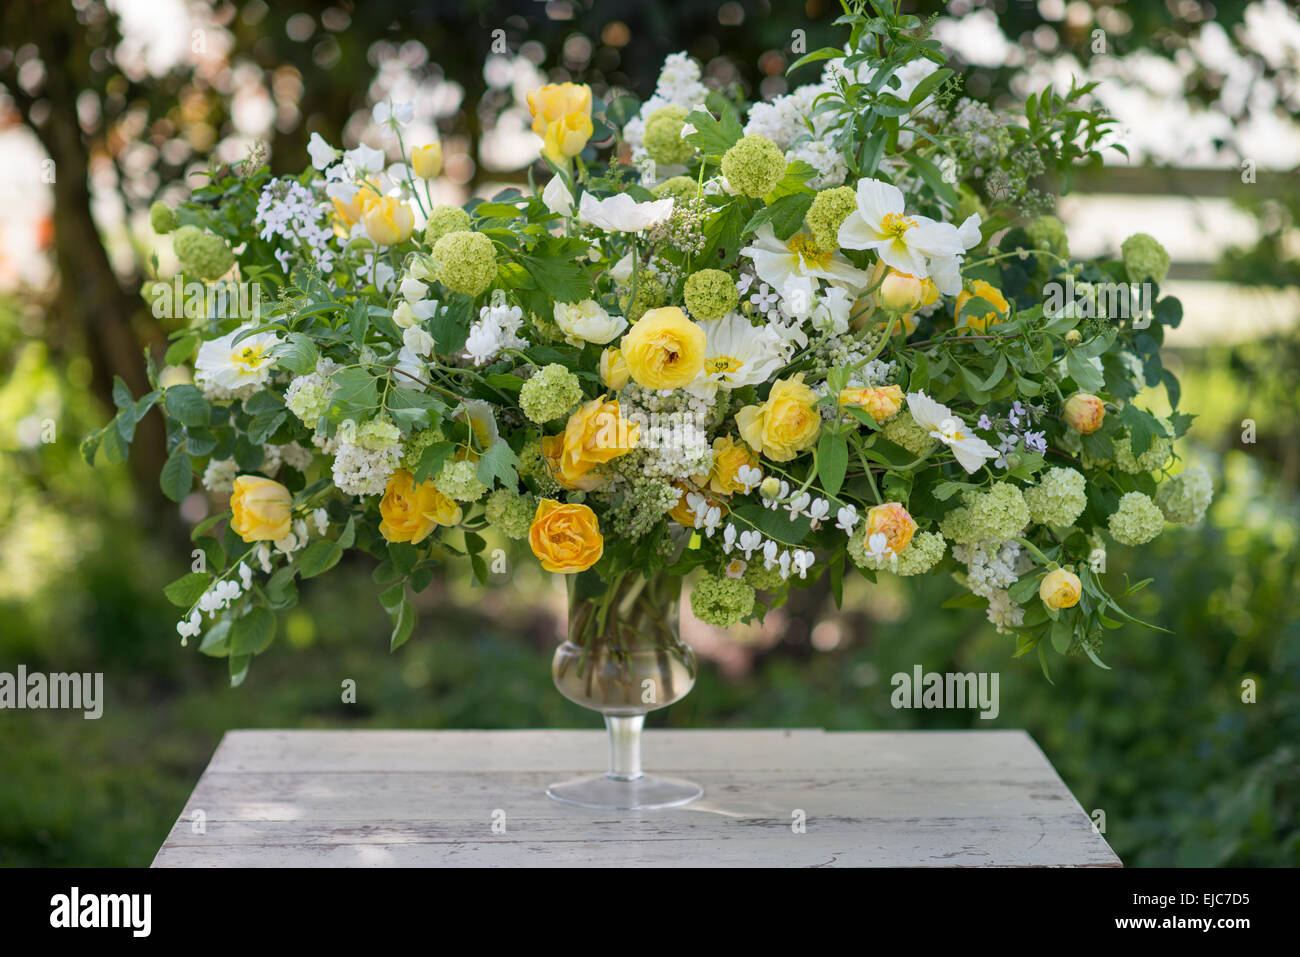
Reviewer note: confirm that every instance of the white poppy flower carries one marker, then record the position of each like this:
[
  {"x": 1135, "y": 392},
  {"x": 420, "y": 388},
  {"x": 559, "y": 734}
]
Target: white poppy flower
[
  {"x": 778, "y": 262},
  {"x": 901, "y": 241},
  {"x": 233, "y": 365},
  {"x": 557, "y": 197},
  {"x": 366, "y": 159},
  {"x": 971, "y": 451},
  {"x": 623, "y": 214},
  {"x": 738, "y": 354}
]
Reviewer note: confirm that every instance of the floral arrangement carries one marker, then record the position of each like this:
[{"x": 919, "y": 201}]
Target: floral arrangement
[{"x": 763, "y": 347}]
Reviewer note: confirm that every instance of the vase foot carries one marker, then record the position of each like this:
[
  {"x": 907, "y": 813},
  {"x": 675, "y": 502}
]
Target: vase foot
[{"x": 644, "y": 793}]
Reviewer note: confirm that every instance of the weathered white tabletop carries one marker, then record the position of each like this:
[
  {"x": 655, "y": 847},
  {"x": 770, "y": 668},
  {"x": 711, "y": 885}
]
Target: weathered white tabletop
[{"x": 477, "y": 798}]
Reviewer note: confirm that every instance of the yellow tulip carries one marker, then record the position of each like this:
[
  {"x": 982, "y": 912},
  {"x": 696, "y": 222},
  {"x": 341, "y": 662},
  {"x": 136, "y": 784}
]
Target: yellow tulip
[
  {"x": 562, "y": 118},
  {"x": 427, "y": 160},
  {"x": 260, "y": 509},
  {"x": 389, "y": 221}
]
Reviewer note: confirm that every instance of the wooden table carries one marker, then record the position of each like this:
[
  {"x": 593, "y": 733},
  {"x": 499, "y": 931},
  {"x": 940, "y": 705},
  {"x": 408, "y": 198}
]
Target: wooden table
[{"x": 476, "y": 798}]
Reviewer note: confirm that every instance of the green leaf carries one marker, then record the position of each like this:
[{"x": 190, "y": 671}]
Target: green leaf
[
  {"x": 188, "y": 589},
  {"x": 177, "y": 475},
  {"x": 185, "y": 404},
  {"x": 403, "y": 625},
  {"x": 318, "y": 557},
  {"x": 775, "y": 523},
  {"x": 498, "y": 462},
  {"x": 432, "y": 460},
  {"x": 786, "y": 215},
  {"x": 832, "y": 461},
  {"x": 297, "y": 354},
  {"x": 216, "y": 642},
  {"x": 239, "y": 669},
  {"x": 714, "y": 137},
  {"x": 252, "y": 634},
  {"x": 1083, "y": 372}
]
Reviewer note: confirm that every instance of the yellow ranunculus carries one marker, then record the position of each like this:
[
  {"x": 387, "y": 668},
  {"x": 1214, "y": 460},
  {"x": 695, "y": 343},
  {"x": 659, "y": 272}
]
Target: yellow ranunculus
[
  {"x": 565, "y": 538},
  {"x": 389, "y": 221},
  {"x": 427, "y": 160},
  {"x": 594, "y": 434},
  {"x": 728, "y": 457},
  {"x": 664, "y": 349},
  {"x": 1084, "y": 412},
  {"x": 1060, "y": 589},
  {"x": 613, "y": 369},
  {"x": 784, "y": 425},
  {"x": 881, "y": 403},
  {"x": 410, "y": 512},
  {"x": 989, "y": 293},
  {"x": 260, "y": 509},
  {"x": 892, "y": 521},
  {"x": 349, "y": 214},
  {"x": 562, "y": 118}
]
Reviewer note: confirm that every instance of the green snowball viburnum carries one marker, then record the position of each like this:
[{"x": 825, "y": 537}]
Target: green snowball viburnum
[
  {"x": 651, "y": 293},
  {"x": 903, "y": 431},
  {"x": 663, "y": 136},
  {"x": 467, "y": 262},
  {"x": 444, "y": 220},
  {"x": 1048, "y": 232},
  {"x": 753, "y": 166},
  {"x": 994, "y": 515},
  {"x": 459, "y": 480},
  {"x": 202, "y": 254},
  {"x": 1058, "y": 498},
  {"x": 417, "y": 443},
  {"x": 710, "y": 294},
  {"x": 678, "y": 188},
  {"x": 1136, "y": 521},
  {"x": 161, "y": 218},
  {"x": 924, "y": 552},
  {"x": 378, "y": 435},
  {"x": 827, "y": 213},
  {"x": 1155, "y": 457},
  {"x": 1144, "y": 258},
  {"x": 1184, "y": 498},
  {"x": 533, "y": 466},
  {"x": 511, "y": 512},
  {"x": 722, "y": 601},
  {"x": 551, "y": 392},
  {"x": 760, "y": 577}
]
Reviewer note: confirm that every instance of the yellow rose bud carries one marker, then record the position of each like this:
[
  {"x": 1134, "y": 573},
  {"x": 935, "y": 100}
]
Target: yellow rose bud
[
  {"x": 562, "y": 118},
  {"x": 594, "y": 435},
  {"x": 881, "y": 403},
  {"x": 613, "y": 369},
  {"x": 786, "y": 424},
  {"x": 729, "y": 456},
  {"x": 900, "y": 292},
  {"x": 260, "y": 509},
  {"x": 664, "y": 349},
  {"x": 892, "y": 521},
  {"x": 1084, "y": 412},
  {"x": 1060, "y": 589},
  {"x": 989, "y": 293},
  {"x": 410, "y": 512},
  {"x": 565, "y": 538},
  {"x": 427, "y": 160},
  {"x": 389, "y": 221}
]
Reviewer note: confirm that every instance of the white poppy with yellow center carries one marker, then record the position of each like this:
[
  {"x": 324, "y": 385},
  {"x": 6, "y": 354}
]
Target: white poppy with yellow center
[
  {"x": 738, "y": 354},
  {"x": 969, "y": 449},
  {"x": 778, "y": 262},
  {"x": 906, "y": 242},
  {"x": 233, "y": 365}
]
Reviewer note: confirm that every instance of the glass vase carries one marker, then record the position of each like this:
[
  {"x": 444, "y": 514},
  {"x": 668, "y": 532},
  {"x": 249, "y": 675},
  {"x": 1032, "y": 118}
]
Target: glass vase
[{"x": 624, "y": 657}]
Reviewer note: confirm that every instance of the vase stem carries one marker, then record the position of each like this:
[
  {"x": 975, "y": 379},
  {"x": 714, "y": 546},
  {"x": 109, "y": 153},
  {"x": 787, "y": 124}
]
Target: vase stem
[{"x": 624, "y": 746}]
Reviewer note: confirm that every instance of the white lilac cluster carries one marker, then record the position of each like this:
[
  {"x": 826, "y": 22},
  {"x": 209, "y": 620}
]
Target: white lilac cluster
[
  {"x": 992, "y": 568},
  {"x": 291, "y": 211},
  {"x": 775, "y": 558},
  {"x": 672, "y": 445},
  {"x": 496, "y": 329},
  {"x": 679, "y": 85}
]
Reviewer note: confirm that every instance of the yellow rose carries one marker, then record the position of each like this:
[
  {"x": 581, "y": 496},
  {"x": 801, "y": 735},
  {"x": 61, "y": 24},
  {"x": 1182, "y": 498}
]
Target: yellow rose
[
  {"x": 881, "y": 403},
  {"x": 1084, "y": 412},
  {"x": 594, "y": 434},
  {"x": 728, "y": 458},
  {"x": 900, "y": 292},
  {"x": 989, "y": 293},
  {"x": 565, "y": 538},
  {"x": 784, "y": 425},
  {"x": 427, "y": 160},
  {"x": 681, "y": 512},
  {"x": 552, "y": 447},
  {"x": 410, "y": 512},
  {"x": 562, "y": 118},
  {"x": 350, "y": 213},
  {"x": 892, "y": 521},
  {"x": 1060, "y": 589},
  {"x": 664, "y": 349},
  {"x": 613, "y": 369},
  {"x": 389, "y": 221},
  {"x": 261, "y": 509}
]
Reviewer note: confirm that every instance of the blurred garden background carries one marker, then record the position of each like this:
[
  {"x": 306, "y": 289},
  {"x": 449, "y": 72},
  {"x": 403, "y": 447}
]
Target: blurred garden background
[{"x": 105, "y": 107}]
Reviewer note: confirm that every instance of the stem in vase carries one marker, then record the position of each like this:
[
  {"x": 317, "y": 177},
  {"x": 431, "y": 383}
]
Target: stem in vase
[{"x": 624, "y": 746}]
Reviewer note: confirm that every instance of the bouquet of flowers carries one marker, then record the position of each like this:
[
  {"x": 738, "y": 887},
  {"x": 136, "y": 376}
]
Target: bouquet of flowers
[{"x": 760, "y": 346}]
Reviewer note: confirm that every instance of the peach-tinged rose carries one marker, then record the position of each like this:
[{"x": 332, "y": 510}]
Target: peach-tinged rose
[
  {"x": 410, "y": 512},
  {"x": 565, "y": 538},
  {"x": 786, "y": 424},
  {"x": 664, "y": 349},
  {"x": 989, "y": 293},
  {"x": 594, "y": 435},
  {"x": 260, "y": 509},
  {"x": 562, "y": 118},
  {"x": 729, "y": 456},
  {"x": 389, "y": 221},
  {"x": 613, "y": 369},
  {"x": 881, "y": 403},
  {"x": 1084, "y": 412},
  {"x": 1060, "y": 589},
  {"x": 892, "y": 521},
  {"x": 900, "y": 292},
  {"x": 427, "y": 160}
]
